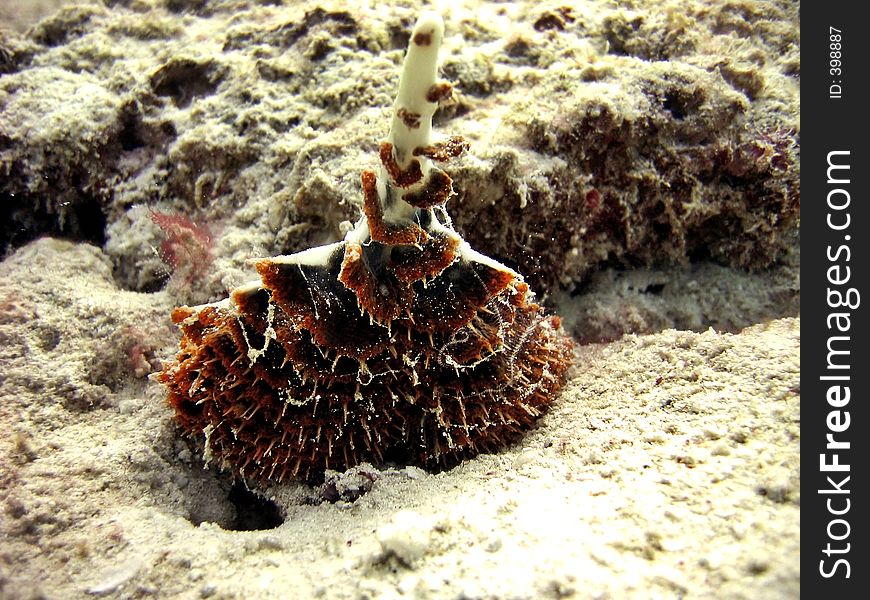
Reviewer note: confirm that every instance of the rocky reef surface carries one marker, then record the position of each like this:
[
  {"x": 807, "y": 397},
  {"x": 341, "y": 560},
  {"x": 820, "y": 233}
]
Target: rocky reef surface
[{"x": 601, "y": 138}]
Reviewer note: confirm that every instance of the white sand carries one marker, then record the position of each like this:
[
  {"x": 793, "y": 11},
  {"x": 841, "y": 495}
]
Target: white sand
[{"x": 668, "y": 468}]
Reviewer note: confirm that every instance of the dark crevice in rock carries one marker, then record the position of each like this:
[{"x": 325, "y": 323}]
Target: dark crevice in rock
[{"x": 253, "y": 512}]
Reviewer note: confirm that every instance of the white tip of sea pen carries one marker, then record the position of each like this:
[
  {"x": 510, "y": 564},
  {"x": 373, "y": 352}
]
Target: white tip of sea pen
[
  {"x": 429, "y": 22},
  {"x": 424, "y": 45},
  {"x": 412, "y": 116}
]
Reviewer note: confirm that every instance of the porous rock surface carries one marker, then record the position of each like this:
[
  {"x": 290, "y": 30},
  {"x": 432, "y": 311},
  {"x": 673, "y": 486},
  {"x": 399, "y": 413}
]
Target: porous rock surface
[
  {"x": 601, "y": 137},
  {"x": 639, "y": 163}
]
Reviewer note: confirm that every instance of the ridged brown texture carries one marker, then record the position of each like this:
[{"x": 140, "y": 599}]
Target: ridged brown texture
[
  {"x": 414, "y": 348},
  {"x": 468, "y": 364},
  {"x": 400, "y": 342}
]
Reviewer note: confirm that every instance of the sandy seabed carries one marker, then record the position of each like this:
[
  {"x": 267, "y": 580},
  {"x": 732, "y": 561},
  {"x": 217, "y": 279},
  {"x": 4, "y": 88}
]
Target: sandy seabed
[{"x": 669, "y": 466}]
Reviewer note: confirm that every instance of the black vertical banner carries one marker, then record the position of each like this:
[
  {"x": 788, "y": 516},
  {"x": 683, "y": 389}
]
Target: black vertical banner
[{"x": 835, "y": 299}]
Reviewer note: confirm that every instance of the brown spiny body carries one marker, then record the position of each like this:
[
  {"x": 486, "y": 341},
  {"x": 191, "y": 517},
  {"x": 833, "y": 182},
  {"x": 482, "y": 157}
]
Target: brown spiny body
[{"x": 467, "y": 365}]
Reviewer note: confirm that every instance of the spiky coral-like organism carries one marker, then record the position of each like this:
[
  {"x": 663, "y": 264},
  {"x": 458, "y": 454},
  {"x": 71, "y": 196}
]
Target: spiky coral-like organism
[{"x": 399, "y": 341}]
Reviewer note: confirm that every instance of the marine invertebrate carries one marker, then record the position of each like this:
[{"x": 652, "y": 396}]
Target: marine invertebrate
[
  {"x": 186, "y": 246},
  {"x": 398, "y": 341}
]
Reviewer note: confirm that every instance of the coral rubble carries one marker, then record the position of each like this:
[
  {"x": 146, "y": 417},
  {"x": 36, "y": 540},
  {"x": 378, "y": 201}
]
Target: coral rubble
[
  {"x": 399, "y": 341},
  {"x": 606, "y": 137}
]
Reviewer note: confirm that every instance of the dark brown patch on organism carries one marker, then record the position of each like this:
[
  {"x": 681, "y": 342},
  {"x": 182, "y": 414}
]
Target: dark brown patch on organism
[
  {"x": 410, "y": 119},
  {"x": 444, "y": 151},
  {"x": 437, "y": 190},
  {"x": 438, "y": 253},
  {"x": 382, "y": 299},
  {"x": 422, "y": 39},
  {"x": 403, "y": 178},
  {"x": 381, "y": 231},
  {"x": 399, "y": 341},
  {"x": 439, "y": 92}
]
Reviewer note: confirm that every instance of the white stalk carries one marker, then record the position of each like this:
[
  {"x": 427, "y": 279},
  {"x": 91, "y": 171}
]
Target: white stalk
[{"x": 418, "y": 77}]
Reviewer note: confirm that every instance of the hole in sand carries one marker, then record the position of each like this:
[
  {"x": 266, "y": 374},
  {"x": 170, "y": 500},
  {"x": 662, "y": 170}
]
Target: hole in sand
[{"x": 253, "y": 512}]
